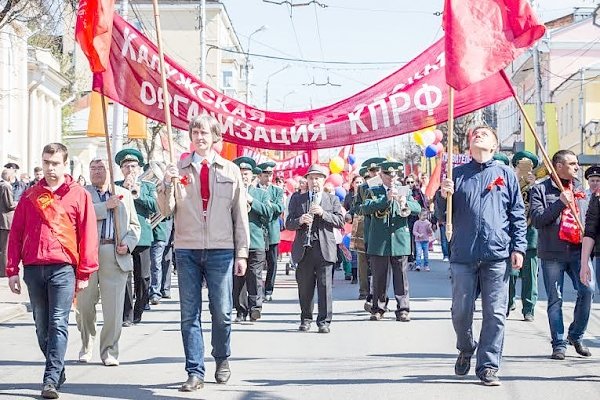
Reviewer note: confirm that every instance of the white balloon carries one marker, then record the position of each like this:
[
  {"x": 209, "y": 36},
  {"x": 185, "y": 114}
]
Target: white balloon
[{"x": 428, "y": 137}]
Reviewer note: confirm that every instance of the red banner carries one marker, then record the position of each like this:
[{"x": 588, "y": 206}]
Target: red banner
[
  {"x": 412, "y": 98},
  {"x": 287, "y": 168}
]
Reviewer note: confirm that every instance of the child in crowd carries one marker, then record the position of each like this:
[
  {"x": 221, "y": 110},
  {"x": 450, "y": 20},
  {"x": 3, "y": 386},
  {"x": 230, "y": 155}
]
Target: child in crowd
[{"x": 423, "y": 232}]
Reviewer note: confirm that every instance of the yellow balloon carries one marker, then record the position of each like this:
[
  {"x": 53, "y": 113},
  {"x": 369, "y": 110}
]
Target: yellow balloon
[
  {"x": 418, "y": 136},
  {"x": 336, "y": 165}
]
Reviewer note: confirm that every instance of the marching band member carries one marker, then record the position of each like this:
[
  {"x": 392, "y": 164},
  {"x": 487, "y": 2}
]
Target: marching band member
[
  {"x": 144, "y": 198},
  {"x": 389, "y": 240},
  {"x": 248, "y": 289},
  {"x": 211, "y": 244},
  {"x": 314, "y": 215}
]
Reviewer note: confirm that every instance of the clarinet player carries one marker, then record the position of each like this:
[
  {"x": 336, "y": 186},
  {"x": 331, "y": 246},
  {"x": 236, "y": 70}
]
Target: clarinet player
[{"x": 314, "y": 215}]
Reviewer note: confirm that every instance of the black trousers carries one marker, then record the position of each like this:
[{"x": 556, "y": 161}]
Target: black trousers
[
  {"x": 3, "y": 251},
  {"x": 141, "y": 285},
  {"x": 380, "y": 266},
  {"x": 314, "y": 270},
  {"x": 247, "y": 289},
  {"x": 271, "y": 268}
]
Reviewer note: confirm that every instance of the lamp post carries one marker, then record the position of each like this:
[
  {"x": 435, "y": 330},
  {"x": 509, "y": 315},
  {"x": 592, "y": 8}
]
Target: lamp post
[
  {"x": 267, "y": 86},
  {"x": 286, "y": 96},
  {"x": 261, "y": 29}
]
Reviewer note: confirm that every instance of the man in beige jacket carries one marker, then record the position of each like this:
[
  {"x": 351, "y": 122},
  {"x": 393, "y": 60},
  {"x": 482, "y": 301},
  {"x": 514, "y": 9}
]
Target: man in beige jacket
[
  {"x": 115, "y": 261},
  {"x": 212, "y": 237}
]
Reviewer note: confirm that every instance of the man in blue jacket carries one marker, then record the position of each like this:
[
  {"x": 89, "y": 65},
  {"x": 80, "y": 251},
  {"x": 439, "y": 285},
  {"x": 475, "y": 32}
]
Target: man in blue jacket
[{"x": 489, "y": 235}]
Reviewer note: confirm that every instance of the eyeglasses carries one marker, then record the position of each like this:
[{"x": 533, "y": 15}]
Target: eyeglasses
[{"x": 410, "y": 182}]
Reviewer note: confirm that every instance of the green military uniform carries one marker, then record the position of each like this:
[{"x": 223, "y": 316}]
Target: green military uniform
[
  {"x": 389, "y": 245},
  {"x": 529, "y": 272},
  {"x": 247, "y": 289},
  {"x": 274, "y": 229}
]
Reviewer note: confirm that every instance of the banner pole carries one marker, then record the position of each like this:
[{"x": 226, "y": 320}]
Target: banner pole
[
  {"x": 546, "y": 158},
  {"x": 163, "y": 78},
  {"x": 111, "y": 172},
  {"x": 450, "y": 162}
]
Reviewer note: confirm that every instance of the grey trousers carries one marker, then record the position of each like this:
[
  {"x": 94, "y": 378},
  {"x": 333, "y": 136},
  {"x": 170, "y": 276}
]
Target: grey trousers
[
  {"x": 3, "y": 251},
  {"x": 380, "y": 266},
  {"x": 109, "y": 282},
  {"x": 314, "y": 270},
  {"x": 363, "y": 274}
]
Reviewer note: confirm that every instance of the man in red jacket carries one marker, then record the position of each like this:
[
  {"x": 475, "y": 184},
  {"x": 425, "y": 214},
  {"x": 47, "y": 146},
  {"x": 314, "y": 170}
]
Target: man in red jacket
[{"x": 54, "y": 235}]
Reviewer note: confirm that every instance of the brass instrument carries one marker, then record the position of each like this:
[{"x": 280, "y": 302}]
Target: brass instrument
[
  {"x": 316, "y": 200},
  {"x": 154, "y": 175},
  {"x": 402, "y": 205},
  {"x": 524, "y": 169}
]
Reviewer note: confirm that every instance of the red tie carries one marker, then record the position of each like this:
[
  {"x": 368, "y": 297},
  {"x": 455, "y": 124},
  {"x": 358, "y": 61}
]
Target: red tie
[{"x": 204, "y": 188}]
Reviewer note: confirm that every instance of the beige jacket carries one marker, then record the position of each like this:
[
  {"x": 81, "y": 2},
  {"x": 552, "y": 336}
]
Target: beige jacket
[
  {"x": 129, "y": 224},
  {"x": 226, "y": 223}
]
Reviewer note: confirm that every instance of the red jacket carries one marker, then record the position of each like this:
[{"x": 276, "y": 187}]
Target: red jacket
[{"x": 32, "y": 241}]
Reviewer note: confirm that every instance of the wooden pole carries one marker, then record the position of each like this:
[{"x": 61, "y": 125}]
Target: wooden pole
[
  {"x": 546, "y": 158},
  {"x": 111, "y": 172},
  {"x": 163, "y": 78},
  {"x": 449, "y": 163}
]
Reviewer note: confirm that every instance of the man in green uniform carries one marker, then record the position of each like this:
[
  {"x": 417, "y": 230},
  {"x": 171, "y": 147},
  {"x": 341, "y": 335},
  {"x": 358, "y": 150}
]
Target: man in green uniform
[
  {"x": 144, "y": 198},
  {"x": 529, "y": 272},
  {"x": 371, "y": 170},
  {"x": 247, "y": 289},
  {"x": 389, "y": 240},
  {"x": 276, "y": 193}
]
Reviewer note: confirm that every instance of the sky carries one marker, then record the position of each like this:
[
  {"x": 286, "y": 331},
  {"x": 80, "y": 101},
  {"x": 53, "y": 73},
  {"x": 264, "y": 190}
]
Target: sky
[{"x": 384, "y": 33}]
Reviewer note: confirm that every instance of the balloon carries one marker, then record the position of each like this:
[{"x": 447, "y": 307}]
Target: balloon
[
  {"x": 335, "y": 179},
  {"x": 346, "y": 241},
  {"x": 439, "y": 135},
  {"x": 351, "y": 159},
  {"x": 431, "y": 151},
  {"x": 336, "y": 165},
  {"x": 340, "y": 192},
  {"x": 418, "y": 136},
  {"x": 428, "y": 136},
  {"x": 440, "y": 148},
  {"x": 290, "y": 185}
]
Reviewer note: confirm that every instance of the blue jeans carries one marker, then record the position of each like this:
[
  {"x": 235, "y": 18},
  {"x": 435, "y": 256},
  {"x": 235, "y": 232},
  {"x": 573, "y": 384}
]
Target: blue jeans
[
  {"x": 422, "y": 254},
  {"x": 554, "y": 275},
  {"x": 444, "y": 241},
  {"x": 157, "y": 253},
  {"x": 493, "y": 281},
  {"x": 51, "y": 289},
  {"x": 216, "y": 268}
]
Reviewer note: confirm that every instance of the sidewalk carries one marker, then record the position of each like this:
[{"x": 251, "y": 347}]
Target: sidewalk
[{"x": 12, "y": 305}]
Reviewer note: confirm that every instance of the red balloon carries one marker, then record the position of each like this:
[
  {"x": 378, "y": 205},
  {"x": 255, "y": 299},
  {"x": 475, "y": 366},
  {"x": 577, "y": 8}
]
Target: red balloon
[
  {"x": 335, "y": 179},
  {"x": 439, "y": 135},
  {"x": 440, "y": 148}
]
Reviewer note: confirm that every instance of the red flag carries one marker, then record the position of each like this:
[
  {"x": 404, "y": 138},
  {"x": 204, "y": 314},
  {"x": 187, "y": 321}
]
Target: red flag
[
  {"x": 484, "y": 36},
  {"x": 93, "y": 31}
]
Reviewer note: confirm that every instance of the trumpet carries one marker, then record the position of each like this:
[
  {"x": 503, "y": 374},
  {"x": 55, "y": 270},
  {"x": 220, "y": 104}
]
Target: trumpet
[
  {"x": 402, "y": 204},
  {"x": 154, "y": 175},
  {"x": 316, "y": 200}
]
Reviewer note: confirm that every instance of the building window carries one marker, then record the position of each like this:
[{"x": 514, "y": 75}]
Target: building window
[
  {"x": 571, "y": 115},
  {"x": 227, "y": 79}
]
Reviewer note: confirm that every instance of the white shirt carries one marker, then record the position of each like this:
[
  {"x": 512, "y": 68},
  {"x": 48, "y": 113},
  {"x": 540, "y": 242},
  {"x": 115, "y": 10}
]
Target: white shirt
[{"x": 197, "y": 159}]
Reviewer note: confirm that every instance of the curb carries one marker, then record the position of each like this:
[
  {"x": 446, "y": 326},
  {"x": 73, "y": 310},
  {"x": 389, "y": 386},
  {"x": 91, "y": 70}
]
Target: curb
[{"x": 11, "y": 311}]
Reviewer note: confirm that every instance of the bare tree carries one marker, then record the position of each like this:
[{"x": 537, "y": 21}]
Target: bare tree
[{"x": 461, "y": 130}]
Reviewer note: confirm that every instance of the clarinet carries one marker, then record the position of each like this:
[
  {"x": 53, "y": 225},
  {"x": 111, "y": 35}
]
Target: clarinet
[{"x": 309, "y": 230}]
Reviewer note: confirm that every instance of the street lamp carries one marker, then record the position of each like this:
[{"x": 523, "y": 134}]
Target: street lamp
[
  {"x": 286, "y": 96},
  {"x": 261, "y": 29},
  {"x": 267, "y": 86}
]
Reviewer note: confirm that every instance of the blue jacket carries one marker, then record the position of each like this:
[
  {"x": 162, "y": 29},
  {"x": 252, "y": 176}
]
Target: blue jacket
[{"x": 487, "y": 224}]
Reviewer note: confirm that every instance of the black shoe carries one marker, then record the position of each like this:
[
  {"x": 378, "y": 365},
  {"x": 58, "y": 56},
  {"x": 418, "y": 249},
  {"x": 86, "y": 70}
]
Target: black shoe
[
  {"x": 580, "y": 348},
  {"x": 49, "y": 391},
  {"x": 255, "y": 315},
  {"x": 323, "y": 329},
  {"x": 127, "y": 324},
  {"x": 558, "y": 354},
  {"x": 354, "y": 281},
  {"x": 463, "y": 364},
  {"x": 137, "y": 321},
  {"x": 166, "y": 295},
  {"x": 376, "y": 316},
  {"x": 528, "y": 318},
  {"x": 240, "y": 318},
  {"x": 362, "y": 296},
  {"x": 348, "y": 278},
  {"x": 223, "y": 373},
  {"x": 368, "y": 306},
  {"x": 402, "y": 316},
  {"x": 61, "y": 379},
  {"x": 489, "y": 378},
  {"x": 192, "y": 383},
  {"x": 147, "y": 307},
  {"x": 304, "y": 326},
  {"x": 268, "y": 298}
]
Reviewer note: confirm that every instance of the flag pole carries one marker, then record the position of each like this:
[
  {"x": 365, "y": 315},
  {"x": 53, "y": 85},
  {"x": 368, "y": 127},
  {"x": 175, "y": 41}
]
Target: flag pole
[
  {"x": 545, "y": 156},
  {"x": 163, "y": 78},
  {"x": 449, "y": 163},
  {"x": 111, "y": 172}
]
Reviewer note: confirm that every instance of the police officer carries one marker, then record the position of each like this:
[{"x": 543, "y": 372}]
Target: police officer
[
  {"x": 277, "y": 206},
  {"x": 389, "y": 240},
  {"x": 248, "y": 289}
]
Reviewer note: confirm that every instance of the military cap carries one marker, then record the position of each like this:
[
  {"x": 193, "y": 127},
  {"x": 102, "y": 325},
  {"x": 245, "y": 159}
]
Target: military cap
[
  {"x": 129, "y": 155},
  {"x": 363, "y": 172},
  {"x": 390, "y": 167},
  {"x": 373, "y": 163},
  {"x": 257, "y": 171},
  {"x": 267, "y": 166},
  {"x": 245, "y": 163},
  {"x": 593, "y": 170},
  {"x": 525, "y": 154},
  {"x": 316, "y": 169},
  {"x": 502, "y": 158},
  {"x": 12, "y": 165}
]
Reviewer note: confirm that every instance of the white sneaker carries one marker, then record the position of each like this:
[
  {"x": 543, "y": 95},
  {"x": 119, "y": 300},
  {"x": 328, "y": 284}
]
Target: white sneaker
[
  {"x": 85, "y": 356},
  {"x": 110, "y": 361},
  {"x": 445, "y": 259}
]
